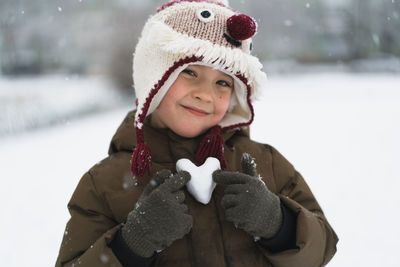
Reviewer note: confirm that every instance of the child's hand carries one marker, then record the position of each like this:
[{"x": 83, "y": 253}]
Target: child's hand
[
  {"x": 247, "y": 201},
  {"x": 160, "y": 216}
]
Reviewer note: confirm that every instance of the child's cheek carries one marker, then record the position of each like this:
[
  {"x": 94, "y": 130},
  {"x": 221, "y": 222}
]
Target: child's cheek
[{"x": 223, "y": 102}]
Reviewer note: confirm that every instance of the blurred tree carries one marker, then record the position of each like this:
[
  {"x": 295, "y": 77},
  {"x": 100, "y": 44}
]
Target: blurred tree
[
  {"x": 374, "y": 28},
  {"x": 99, "y": 36},
  {"x": 126, "y": 24},
  {"x": 289, "y": 29},
  {"x": 390, "y": 25}
]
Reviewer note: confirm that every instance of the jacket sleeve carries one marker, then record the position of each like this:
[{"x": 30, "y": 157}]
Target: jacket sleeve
[
  {"x": 285, "y": 239},
  {"x": 315, "y": 239},
  {"x": 89, "y": 230}
]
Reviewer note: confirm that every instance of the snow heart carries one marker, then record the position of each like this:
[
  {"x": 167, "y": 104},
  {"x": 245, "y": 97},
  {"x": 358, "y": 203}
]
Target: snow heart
[{"x": 201, "y": 184}]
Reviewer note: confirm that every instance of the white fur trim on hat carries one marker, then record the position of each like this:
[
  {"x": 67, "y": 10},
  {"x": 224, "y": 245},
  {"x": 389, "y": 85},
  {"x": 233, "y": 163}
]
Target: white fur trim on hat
[{"x": 234, "y": 60}]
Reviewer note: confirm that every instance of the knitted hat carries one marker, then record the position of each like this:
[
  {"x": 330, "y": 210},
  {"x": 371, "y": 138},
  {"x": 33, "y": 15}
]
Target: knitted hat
[{"x": 201, "y": 32}]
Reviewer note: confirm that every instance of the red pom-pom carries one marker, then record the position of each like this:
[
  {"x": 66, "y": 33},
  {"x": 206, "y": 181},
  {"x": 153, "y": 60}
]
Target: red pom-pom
[{"x": 241, "y": 27}]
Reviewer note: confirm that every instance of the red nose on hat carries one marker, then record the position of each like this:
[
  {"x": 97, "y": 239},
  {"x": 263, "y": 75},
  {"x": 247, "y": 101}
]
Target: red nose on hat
[{"x": 241, "y": 27}]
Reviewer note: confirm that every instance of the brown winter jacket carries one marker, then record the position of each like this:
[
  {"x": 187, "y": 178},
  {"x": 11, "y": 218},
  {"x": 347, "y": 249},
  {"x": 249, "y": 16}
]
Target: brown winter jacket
[{"x": 106, "y": 194}]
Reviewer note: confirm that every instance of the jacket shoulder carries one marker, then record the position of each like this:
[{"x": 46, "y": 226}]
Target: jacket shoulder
[{"x": 111, "y": 171}]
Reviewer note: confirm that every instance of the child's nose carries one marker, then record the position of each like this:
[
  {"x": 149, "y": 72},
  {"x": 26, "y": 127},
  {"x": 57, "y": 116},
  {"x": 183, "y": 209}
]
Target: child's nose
[{"x": 203, "y": 93}]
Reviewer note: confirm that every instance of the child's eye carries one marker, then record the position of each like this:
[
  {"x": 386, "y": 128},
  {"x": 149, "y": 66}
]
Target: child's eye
[
  {"x": 190, "y": 72},
  {"x": 224, "y": 83}
]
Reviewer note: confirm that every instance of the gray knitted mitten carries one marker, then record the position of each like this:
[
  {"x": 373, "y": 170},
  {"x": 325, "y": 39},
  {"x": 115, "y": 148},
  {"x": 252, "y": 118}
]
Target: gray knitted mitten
[
  {"x": 247, "y": 201},
  {"x": 160, "y": 216}
]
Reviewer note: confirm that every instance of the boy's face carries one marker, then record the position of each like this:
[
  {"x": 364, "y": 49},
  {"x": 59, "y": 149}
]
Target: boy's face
[{"x": 196, "y": 101}]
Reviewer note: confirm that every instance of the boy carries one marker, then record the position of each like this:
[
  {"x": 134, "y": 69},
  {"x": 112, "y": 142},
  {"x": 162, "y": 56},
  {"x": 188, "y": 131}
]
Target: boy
[{"x": 195, "y": 82}]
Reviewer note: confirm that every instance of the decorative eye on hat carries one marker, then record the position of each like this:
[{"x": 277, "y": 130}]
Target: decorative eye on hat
[{"x": 205, "y": 15}]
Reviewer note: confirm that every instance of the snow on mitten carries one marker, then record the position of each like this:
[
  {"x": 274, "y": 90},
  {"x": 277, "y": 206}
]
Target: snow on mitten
[
  {"x": 160, "y": 216},
  {"x": 247, "y": 201}
]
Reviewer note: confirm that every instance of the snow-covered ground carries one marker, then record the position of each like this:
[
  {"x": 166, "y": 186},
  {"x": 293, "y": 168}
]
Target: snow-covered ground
[{"x": 339, "y": 130}]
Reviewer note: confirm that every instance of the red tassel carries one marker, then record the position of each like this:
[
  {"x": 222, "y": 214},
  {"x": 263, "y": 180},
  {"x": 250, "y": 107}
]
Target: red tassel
[
  {"x": 141, "y": 160},
  {"x": 141, "y": 157},
  {"x": 212, "y": 145}
]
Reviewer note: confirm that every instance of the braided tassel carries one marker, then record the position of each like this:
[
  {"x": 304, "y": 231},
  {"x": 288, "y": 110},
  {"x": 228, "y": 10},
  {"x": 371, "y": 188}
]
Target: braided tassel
[
  {"x": 141, "y": 157},
  {"x": 212, "y": 145}
]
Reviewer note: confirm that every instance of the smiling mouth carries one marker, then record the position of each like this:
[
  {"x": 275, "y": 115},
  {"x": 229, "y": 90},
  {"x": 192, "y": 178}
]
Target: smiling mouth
[{"x": 196, "y": 111}]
